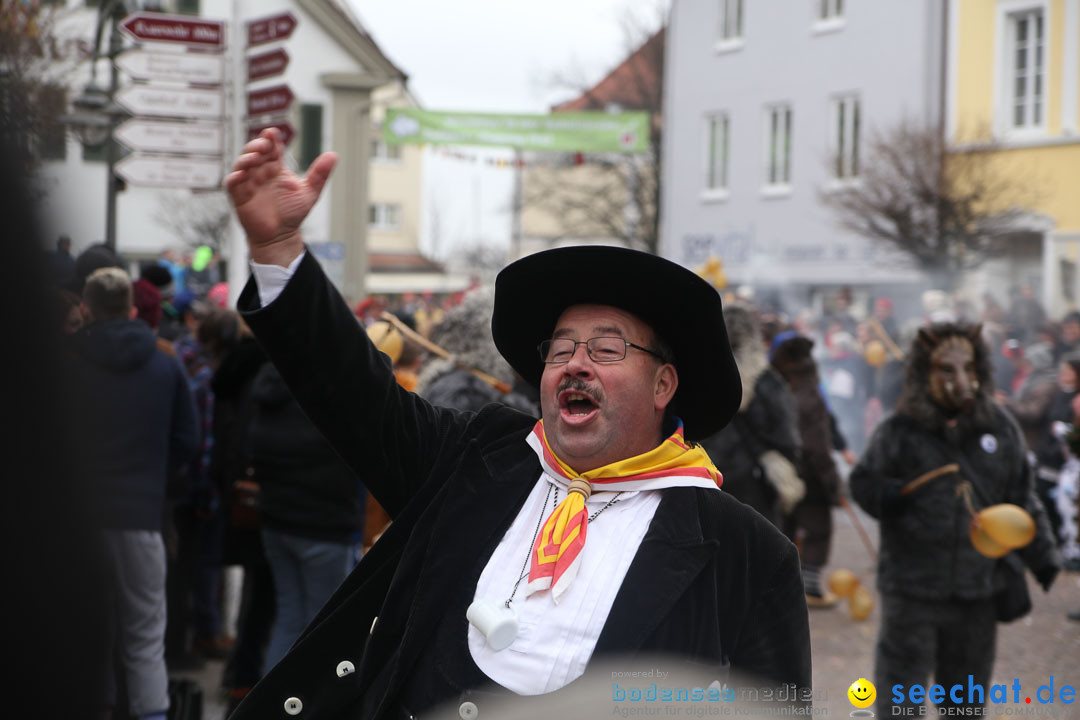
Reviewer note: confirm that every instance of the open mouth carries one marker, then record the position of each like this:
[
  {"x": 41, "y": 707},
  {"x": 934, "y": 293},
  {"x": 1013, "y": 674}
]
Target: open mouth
[{"x": 577, "y": 408}]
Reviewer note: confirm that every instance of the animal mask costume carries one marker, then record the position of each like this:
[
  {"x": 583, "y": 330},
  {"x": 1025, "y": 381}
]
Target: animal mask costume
[{"x": 948, "y": 383}]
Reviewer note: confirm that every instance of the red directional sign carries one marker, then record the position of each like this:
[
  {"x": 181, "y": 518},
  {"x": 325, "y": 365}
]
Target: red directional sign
[
  {"x": 271, "y": 100},
  {"x": 288, "y": 132},
  {"x": 269, "y": 29},
  {"x": 267, "y": 64},
  {"x": 159, "y": 27}
]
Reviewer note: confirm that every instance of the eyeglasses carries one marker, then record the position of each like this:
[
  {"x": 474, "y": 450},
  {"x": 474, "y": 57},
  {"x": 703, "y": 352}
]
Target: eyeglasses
[{"x": 558, "y": 351}]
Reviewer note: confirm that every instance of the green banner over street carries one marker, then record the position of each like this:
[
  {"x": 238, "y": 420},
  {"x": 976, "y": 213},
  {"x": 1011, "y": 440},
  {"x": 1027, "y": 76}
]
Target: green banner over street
[{"x": 626, "y": 132}]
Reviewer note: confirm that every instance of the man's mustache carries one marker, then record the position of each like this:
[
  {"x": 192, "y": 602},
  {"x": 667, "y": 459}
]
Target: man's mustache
[{"x": 579, "y": 385}]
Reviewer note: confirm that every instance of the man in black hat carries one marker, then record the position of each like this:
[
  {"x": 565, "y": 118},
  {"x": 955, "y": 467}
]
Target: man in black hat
[{"x": 484, "y": 584}]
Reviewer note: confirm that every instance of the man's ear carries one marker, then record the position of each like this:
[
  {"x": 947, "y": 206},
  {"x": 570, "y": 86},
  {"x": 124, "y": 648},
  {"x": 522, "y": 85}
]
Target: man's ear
[
  {"x": 667, "y": 382},
  {"x": 133, "y": 313}
]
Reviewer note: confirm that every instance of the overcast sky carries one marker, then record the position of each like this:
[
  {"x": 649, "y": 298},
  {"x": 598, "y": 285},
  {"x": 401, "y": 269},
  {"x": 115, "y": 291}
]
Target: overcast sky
[{"x": 493, "y": 56}]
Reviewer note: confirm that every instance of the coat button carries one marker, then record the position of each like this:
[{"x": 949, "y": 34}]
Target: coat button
[
  {"x": 372, "y": 628},
  {"x": 468, "y": 711},
  {"x": 293, "y": 706},
  {"x": 345, "y": 668}
]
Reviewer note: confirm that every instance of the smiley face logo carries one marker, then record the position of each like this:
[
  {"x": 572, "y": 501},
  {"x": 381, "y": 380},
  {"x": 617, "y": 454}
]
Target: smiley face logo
[{"x": 862, "y": 693}]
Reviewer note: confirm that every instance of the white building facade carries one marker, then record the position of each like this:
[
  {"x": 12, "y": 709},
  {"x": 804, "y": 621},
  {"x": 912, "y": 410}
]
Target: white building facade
[
  {"x": 334, "y": 66},
  {"x": 768, "y": 105}
]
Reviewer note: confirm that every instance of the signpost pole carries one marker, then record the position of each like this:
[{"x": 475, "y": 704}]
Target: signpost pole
[
  {"x": 115, "y": 46},
  {"x": 237, "y": 243}
]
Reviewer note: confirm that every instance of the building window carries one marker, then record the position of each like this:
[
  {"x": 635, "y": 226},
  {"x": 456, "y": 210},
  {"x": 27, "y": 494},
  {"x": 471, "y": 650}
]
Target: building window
[
  {"x": 778, "y": 150},
  {"x": 310, "y": 134},
  {"x": 187, "y": 7},
  {"x": 1026, "y": 68},
  {"x": 847, "y": 118},
  {"x": 382, "y": 150},
  {"x": 384, "y": 216},
  {"x": 830, "y": 9},
  {"x": 52, "y": 136},
  {"x": 716, "y": 148},
  {"x": 731, "y": 19}
]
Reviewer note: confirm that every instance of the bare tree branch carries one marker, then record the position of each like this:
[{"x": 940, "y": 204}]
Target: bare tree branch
[
  {"x": 611, "y": 195},
  {"x": 35, "y": 65},
  {"x": 195, "y": 220},
  {"x": 949, "y": 211}
]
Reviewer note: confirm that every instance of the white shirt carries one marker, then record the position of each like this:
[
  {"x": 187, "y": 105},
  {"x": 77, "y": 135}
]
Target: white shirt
[{"x": 554, "y": 642}]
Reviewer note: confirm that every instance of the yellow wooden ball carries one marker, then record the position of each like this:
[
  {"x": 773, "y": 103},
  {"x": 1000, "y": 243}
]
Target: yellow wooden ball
[
  {"x": 875, "y": 353},
  {"x": 861, "y": 604},
  {"x": 1008, "y": 525},
  {"x": 843, "y": 582}
]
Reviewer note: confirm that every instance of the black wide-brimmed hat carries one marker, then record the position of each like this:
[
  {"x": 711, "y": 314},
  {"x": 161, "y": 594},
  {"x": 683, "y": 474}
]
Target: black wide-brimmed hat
[{"x": 682, "y": 308}]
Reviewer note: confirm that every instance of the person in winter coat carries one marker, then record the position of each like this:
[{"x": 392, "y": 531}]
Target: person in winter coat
[
  {"x": 759, "y": 449},
  {"x": 137, "y": 424},
  {"x": 938, "y": 593},
  {"x": 810, "y": 524},
  {"x": 310, "y": 508},
  {"x": 1050, "y": 451},
  {"x": 237, "y": 359}
]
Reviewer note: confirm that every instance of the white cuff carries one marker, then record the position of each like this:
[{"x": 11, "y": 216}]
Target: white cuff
[{"x": 272, "y": 279}]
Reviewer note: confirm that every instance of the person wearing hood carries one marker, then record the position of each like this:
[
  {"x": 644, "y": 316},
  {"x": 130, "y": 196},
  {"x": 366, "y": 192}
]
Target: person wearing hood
[
  {"x": 810, "y": 524},
  {"x": 138, "y": 424},
  {"x": 947, "y": 450},
  {"x": 758, "y": 450}
]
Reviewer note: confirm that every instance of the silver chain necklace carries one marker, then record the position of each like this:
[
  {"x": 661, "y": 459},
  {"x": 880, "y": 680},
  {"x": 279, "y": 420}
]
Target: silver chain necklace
[{"x": 543, "y": 512}]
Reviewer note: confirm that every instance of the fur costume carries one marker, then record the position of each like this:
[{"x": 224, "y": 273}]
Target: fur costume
[
  {"x": 758, "y": 450},
  {"x": 465, "y": 331},
  {"x": 811, "y": 521},
  {"x": 930, "y": 576}
]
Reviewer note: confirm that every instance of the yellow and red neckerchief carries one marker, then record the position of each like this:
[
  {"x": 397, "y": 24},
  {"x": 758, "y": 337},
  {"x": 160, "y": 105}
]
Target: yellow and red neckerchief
[{"x": 556, "y": 555}]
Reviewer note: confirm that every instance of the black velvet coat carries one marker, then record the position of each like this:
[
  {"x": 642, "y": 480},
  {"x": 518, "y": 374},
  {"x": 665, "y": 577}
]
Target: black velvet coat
[{"x": 712, "y": 582}]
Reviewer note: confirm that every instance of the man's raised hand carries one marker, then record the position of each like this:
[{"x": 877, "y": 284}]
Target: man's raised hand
[{"x": 271, "y": 201}]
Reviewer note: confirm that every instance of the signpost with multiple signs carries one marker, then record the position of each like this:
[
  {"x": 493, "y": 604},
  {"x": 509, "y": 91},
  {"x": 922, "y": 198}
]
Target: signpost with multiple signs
[
  {"x": 157, "y": 27},
  {"x": 145, "y": 100},
  {"x": 197, "y": 173},
  {"x": 271, "y": 29},
  {"x": 177, "y": 135},
  {"x": 267, "y": 106},
  {"x": 267, "y": 64},
  {"x": 172, "y": 137},
  {"x": 201, "y": 68}
]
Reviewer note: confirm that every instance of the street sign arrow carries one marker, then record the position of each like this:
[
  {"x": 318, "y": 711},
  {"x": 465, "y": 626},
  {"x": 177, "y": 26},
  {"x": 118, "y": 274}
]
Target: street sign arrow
[
  {"x": 267, "y": 64},
  {"x": 288, "y": 132},
  {"x": 271, "y": 100},
  {"x": 269, "y": 29},
  {"x": 172, "y": 102},
  {"x": 173, "y": 137},
  {"x": 160, "y": 171},
  {"x": 178, "y": 67},
  {"x": 159, "y": 27}
]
